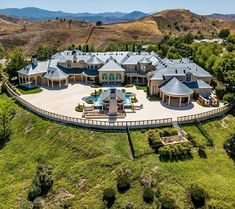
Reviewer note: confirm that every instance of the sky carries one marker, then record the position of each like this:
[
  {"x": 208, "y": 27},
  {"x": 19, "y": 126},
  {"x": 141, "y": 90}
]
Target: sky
[{"x": 197, "y": 6}]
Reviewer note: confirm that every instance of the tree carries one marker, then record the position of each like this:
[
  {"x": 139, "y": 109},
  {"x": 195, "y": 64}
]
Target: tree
[
  {"x": 45, "y": 52},
  {"x": 123, "y": 183},
  {"x": 70, "y": 22},
  {"x": 198, "y": 196},
  {"x": 224, "y": 33},
  {"x": 7, "y": 111},
  {"x": 2, "y": 51},
  {"x": 167, "y": 203},
  {"x": 148, "y": 195},
  {"x": 109, "y": 196},
  {"x": 99, "y": 23},
  {"x": 16, "y": 62},
  {"x": 229, "y": 146},
  {"x": 42, "y": 183}
]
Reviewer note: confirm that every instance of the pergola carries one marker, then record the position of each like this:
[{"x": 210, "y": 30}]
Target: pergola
[{"x": 174, "y": 92}]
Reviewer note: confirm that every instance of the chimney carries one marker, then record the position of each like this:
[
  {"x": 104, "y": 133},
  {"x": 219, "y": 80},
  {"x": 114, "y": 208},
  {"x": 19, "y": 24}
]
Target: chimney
[{"x": 34, "y": 60}]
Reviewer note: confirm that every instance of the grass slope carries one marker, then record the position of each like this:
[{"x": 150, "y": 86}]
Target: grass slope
[{"x": 85, "y": 162}]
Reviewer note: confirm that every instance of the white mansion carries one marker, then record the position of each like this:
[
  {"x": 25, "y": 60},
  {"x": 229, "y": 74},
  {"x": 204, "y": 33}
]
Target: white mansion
[{"x": 174, "y": 81}]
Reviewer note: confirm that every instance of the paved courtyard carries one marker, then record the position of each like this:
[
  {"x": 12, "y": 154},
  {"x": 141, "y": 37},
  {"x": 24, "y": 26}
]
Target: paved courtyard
[{"x": 64, "y": 101}]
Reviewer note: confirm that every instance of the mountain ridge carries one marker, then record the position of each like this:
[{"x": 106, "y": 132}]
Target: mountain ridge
[{"x": 34, "y": 13}]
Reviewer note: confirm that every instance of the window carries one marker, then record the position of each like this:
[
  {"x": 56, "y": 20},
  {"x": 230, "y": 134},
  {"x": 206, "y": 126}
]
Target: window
[
  {"x": 111, "y": 77},
  {"x": 104, "y": 77},
  {"x": 188, "y": 78},
  {"x": 118, "y": 77}
]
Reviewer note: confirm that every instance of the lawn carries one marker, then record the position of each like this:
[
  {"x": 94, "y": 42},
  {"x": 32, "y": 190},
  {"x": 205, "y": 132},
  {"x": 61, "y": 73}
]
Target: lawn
[
  {"x": 85, "y": 162},
  {"x": 24, "y": 90}
]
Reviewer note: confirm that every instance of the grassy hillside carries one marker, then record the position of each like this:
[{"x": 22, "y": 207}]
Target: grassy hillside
[
  {"x": 85, "y": 162},
  {"x": 180, "y": 21},
  {"x": 29, "y": 35}
]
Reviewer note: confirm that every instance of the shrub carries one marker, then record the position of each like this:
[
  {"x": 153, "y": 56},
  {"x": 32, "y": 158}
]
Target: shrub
[
  {"x": 154, "y": 140},
  {"x": 202, "y": 151},
  {"x": 109, "y": 196},
  {"x": 197, "y": 196},
  {"x": 229, "y": 97},
  {"x": 175, "y": 152},
  {"x": 224, "y": 33},
  {"x": 167, "y": 203},
  {"x": 134, "y": 100},
  {"x": 41, "y": 184},
  {"x": 168, "y": 132},
  {"x": 229, "y": 146},
  {"x": 123, "y": 183},
  {"x": 97, "y": 93},
  {"x": 89, "y": 101},
  {"x": 79, "y": 108},
  {"x": 148, "y": 195}
]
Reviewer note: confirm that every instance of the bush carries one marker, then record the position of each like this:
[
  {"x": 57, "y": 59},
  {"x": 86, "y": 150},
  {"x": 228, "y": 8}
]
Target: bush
[
  {"x": 229, "y": 146},
  {"x": 154, "y": 140},
  {"x": 42, "y": 183},
  {"x": 224, "y": 33},
  {"x": 134, "y": 100},
  {"x": 109, "y": 196},
  {"x": 79, "y": 108},
  {"x": 123, "y": 183},
  {"x": 97, "y": 93},
  {"x": 175, "y": 152},
  {"x": 168, "y": 132},
  {"x": 229, "y": 97},
  {"x": 89, "y": 101},
  {"x": 197, "y": 196},
  {"x": 148, "y": 195},
  {"x": 167, "y": 203}
]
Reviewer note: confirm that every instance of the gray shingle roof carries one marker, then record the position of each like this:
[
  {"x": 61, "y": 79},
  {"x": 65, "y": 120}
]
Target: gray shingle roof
[
  {"x": 108, "y": 92},
  {"x": 94, "y": 61},
  {"x": 111, "y": 65},
  {"x": 55, "y": 73},
  {"x": 145, "y": 60},
  {"x": 176, "y": 88},
  {"x": 40, "y": 68}
]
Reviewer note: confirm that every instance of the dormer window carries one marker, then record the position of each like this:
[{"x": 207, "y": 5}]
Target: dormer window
[{"x": 188, "y": 77}]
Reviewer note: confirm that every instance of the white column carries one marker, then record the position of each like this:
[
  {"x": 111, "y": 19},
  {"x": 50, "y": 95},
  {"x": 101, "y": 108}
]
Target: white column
[
  {"x": 48, "y": 84},
  {"x": 36, "y": 83},
  {"x": 60, "y": 83},
  {"x": 163, "y": 97},
  {"x": 169, "y": 100},
  {"x": 189, "y": 100},
  {"x": 180, "y": 101},
  {"x": 52, "y": 83}
]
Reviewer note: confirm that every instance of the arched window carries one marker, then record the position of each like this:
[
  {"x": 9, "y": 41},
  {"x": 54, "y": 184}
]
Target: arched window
[
  {"x": 118, "y": 77},
  {"x": 111, "y": 77},
  {"x": 104, "y": 77}
]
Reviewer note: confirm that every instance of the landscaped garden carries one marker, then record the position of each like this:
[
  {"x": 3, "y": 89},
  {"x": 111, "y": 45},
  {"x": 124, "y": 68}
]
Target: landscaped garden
[{"x": 80, "y": 164}]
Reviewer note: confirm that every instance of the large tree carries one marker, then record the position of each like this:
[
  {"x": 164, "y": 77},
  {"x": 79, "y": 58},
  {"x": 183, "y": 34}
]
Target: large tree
[
  {"x": 16, "y": 62},
  {"x": 7, "y": 111}
]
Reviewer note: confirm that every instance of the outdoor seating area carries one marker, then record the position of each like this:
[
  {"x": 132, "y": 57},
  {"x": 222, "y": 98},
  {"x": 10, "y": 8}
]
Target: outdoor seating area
[{"x": 209, "y": 101}]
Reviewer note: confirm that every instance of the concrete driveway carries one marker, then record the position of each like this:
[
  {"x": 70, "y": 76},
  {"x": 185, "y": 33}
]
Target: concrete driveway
[{"x": 64, "y": 101}]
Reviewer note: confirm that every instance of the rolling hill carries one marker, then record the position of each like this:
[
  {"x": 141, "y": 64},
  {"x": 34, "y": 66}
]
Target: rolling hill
[
  {"x": 32, "y": 13},
  {"x": 151, "y": 29}
]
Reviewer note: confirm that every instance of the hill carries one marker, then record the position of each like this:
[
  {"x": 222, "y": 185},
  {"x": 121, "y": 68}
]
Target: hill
[
  {"x": 181, "y": 21},
  {"x": 85, "y": 162},
  {"x": 222, "y": 16},
  {"x": 33, "y": 13},
  {"x": 151, "y": 29}
]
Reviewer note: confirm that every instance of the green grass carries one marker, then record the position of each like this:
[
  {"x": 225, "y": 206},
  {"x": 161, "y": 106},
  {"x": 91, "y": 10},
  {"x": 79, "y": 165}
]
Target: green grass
[
  {"x": 95, "y": 156},
  {"x": 144, "y": 88},
  {"x": 24, "y": 90}
]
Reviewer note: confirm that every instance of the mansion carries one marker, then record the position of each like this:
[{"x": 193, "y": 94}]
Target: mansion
[{"x": 175, "y": 81}]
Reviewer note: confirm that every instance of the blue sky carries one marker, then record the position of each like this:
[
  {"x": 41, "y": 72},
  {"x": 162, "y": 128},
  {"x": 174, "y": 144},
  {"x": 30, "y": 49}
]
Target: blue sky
[{"x": 198, "y": 6}]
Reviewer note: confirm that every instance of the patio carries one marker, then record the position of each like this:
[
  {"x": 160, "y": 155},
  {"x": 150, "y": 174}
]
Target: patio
[{"x": 63, "y": 101}]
